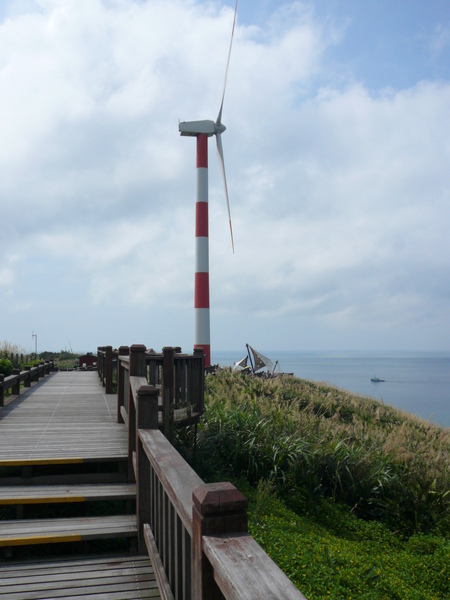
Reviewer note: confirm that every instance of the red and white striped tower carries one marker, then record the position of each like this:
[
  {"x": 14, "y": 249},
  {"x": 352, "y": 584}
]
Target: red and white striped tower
[
  {"x": 202, "y": 338},
  {"x": 202, "y": 130}
]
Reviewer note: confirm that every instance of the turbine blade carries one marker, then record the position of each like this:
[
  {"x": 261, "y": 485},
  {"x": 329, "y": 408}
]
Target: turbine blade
[
  {"x": 222, "y": 168},
  {"x": 219, "y": 116}
]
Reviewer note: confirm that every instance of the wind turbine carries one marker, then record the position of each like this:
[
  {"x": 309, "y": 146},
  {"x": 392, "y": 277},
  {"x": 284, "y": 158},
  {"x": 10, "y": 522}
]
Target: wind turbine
[{"x": 202, "y": 130}]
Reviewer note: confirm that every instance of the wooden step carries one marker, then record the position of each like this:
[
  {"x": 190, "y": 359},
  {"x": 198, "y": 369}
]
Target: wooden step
[
  {"x": 62, "y": 460},
  {"x": 48, "y": 494},
  {"x": 52, "y": 531},
  {"x": 117, "y": 578}
]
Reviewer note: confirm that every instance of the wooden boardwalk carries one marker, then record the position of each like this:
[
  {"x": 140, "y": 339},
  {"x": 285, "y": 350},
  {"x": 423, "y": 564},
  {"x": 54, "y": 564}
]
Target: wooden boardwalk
[
  {"x": 65, "y": 418},
  {"x": 81, "y": 494},
  {"x": 60, "y": 444}
]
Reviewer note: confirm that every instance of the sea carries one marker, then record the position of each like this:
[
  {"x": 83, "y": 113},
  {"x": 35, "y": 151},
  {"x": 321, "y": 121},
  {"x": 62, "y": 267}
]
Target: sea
[{"x": 416, "y": 382}]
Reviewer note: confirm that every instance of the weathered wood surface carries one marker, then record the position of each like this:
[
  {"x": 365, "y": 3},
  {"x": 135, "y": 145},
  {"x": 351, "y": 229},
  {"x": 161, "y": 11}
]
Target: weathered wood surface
[
  {"x": 243, "y": 570},
  {"x": 161, "y": 577},
  {"x": 177, "y": 478},
  {"x": 46, "y": 494},
  {"x": 113, "y": 578},
  {"x": 169, "y": 545},
  {"x": 66, "y": 418},
  {"x": 52, "y": 531}
]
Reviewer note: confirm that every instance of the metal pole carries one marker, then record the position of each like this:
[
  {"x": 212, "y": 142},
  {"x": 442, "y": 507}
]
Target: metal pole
[
  {"x": 249, "y": 354},
  {"x": 35, "y": 344}
]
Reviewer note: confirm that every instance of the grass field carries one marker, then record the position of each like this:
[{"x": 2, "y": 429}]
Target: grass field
[{"x": 348, "y": 496}]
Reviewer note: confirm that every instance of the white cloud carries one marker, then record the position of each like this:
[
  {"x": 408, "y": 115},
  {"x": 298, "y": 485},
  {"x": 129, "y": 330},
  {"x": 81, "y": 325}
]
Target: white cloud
[
  {"x": 440, "y": 39},
  {"x": 339, "y": 196}
]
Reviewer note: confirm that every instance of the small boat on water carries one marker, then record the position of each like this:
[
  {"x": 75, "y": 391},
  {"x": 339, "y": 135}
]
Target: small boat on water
[{"x": 377, "y": 380}]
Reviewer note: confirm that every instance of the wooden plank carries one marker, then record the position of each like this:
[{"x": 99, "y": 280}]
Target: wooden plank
[
  {"x": 163, "y": 583},
  {"x": 39, "y": 578},
  {"x": 102, "y": 593},
  {"x": 178, "y": 479},
  {"x": 243, "y": 570},
  {"x": 71, "y": 580},
  {"x": 49, "y": 531},
  {"x": 21, "y": 494},
  {"x": 66, "y": 418},
  {"x": 116, "y": 578},
  {"x": 124, "y": 414},
  {"x": 23, "y": 462},
  {"x": 80, "y": 564}
]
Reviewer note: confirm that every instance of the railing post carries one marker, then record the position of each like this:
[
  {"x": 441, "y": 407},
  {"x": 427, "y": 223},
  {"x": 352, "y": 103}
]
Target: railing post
[
  {"x": 15, "y": 389},
  {"x": 152, "y": 368},
  {"x": 123, "y": 351},
  {"x": 219, "y": 508},
  {"x": 100, "y": 363},
  {"x": 2, "y": 390},
  {"x": 168, "y": 389},
  {"x": 137, "y": 367},
  {"x": 27, "y": 380},
  {"x": 108, "y": 371},
  {"x": 199, "y": 380},
  {"x": 146, "y": 418}
]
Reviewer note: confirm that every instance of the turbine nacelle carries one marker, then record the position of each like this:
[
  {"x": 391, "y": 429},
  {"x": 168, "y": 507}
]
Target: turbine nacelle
[{"x": 195, "y": 128}]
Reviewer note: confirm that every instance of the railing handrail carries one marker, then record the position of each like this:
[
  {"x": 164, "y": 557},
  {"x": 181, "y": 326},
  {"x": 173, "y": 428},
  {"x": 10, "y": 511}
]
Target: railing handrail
[
  {"x": 178, "y": 376},
  {"x": 195, "y": 533},
  {"x": 241, "y": 568},
  {"x": 168, "y": 464},
  {"x": 254, "y": 576},
  {"x": 28, "y": 375}
]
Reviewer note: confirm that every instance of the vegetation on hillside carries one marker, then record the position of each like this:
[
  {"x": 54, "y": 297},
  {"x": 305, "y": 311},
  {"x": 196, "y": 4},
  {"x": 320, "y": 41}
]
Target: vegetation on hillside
[
  {"x": 13, "y": 356},
  {"x": 349, "y": 496},
  {"x": 63, "y": 360},
  {"x": 314, "y": 441},
  {"x": 6, "y": 367},
  {"x": 332, "y": 554}
]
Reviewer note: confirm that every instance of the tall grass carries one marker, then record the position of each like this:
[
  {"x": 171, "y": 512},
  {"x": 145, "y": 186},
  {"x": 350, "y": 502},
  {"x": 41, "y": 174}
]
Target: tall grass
[{"x": 313, "y": 442}]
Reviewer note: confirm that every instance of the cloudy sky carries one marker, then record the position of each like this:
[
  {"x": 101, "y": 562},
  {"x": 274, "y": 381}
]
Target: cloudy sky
[{"x": 337, "y": 153}]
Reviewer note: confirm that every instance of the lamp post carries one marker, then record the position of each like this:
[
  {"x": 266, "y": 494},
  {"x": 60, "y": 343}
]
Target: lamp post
[{"x": 34, "y": 335}]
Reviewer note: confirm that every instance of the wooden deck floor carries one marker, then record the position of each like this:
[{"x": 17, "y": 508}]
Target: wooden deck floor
[
  {"x": 66, "y": 417},
  {"x": 114, "y": 578}
]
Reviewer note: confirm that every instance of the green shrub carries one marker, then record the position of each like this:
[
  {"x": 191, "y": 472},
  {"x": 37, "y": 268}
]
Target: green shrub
[
  {"x": 6, "y": 367},
  {"x": 335, "y": 555}
]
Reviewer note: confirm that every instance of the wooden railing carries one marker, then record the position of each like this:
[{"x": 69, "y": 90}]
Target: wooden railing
[
  {"x": 19, "y": 359},
  {"x": 178, "y": 377},
  {"x": 105, "y": 356},
  {"x": 27, "y": 376},
  {"x": 195, "y": 533}
]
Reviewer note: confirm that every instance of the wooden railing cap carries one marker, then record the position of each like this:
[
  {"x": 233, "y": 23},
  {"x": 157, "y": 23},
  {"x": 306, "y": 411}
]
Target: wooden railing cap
[
  {"x": 218, "y": 498},
  {"x": 147, "y": 390},
  {"x": 138, "y": 348}
]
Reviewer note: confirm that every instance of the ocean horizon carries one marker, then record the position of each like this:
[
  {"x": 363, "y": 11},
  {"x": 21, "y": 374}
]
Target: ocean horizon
[{"x": 416, "y": 382}]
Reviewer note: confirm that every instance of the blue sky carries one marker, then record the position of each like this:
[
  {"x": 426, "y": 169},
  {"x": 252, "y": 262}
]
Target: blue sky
[{"x": 336, "y": 150}]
